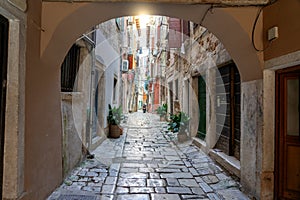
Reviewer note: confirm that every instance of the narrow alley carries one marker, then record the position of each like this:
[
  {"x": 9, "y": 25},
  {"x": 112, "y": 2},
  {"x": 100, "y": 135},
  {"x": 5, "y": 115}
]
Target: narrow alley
[{"x": 147, "y": 162}]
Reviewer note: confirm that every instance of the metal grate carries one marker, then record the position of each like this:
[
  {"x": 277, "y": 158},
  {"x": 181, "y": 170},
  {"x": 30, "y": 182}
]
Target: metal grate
[
  {"x": 76, "y": 197},
  {"x": 69, "y": 69}
]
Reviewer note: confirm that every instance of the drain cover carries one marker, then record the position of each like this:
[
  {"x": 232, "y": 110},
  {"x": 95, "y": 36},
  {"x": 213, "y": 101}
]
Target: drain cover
[{"x": 76, "y": 197}]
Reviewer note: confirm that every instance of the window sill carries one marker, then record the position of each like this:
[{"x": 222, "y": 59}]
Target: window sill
[{"x": 70, "y": 95}]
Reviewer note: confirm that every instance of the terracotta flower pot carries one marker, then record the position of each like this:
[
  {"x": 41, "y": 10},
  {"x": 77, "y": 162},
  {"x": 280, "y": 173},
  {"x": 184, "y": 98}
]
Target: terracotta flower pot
[
  {"x": 114, "y": 131},
  {"x": 122, "y": 130}
]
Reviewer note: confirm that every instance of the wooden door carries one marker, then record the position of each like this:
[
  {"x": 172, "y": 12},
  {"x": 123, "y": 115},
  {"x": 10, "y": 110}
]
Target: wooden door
[
  {"x": 287, "y": 177},
  {"x": 202, "y": 107},
  {"x": 228, "y": 112},
  {"x": 3, "y": 71}
]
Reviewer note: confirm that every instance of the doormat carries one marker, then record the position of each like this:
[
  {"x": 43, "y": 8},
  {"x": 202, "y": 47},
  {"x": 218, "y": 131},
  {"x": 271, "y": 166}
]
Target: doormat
[{"x": 76, "y": 197}]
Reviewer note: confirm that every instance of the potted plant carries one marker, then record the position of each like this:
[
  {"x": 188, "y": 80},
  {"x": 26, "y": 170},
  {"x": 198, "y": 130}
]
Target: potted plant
[
  {"x": 179, "y": 124},
  {"x": 114, "y": 119},
  {"x": 162, "y": 111}
]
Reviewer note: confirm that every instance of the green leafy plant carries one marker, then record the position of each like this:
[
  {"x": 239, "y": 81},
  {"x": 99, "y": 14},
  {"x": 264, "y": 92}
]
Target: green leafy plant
[
  {"x": 178, "y": 122},
  {"x": 162, "y": 110},
  {"x": 114, "y": 115}
]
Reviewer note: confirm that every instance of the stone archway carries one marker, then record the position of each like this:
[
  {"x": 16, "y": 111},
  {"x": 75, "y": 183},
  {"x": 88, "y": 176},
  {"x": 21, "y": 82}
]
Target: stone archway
[{"x": 62, "y": 23}]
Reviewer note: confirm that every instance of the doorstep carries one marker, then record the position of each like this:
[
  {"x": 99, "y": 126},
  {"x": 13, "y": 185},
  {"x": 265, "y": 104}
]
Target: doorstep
[
  {"x": 230, "y": 163},
  {"x": 96, "y": 141}
]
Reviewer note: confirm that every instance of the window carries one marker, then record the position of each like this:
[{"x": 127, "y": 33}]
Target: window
[
  {"x": 115, "y": 89},
  {"x": 69, "y": 69},
  {"x": 176, "y": 89}
]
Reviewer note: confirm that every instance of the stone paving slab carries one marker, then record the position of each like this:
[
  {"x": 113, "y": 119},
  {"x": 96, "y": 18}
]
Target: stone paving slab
[
  {"x": 148, "y": 163},
  {"x": 165, "y": 196}
]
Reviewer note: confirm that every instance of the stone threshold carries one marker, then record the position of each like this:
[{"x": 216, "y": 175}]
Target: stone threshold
[
  {"x": 230, "y": 163},
  {"x": 96, "y": 141}
]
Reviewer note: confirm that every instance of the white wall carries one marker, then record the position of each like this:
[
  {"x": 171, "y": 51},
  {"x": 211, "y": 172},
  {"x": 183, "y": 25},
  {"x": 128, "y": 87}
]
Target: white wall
[{"x": 107, "y": 48}]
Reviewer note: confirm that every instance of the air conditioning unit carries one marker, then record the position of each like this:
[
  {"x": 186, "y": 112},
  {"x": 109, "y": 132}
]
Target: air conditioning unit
[{"x": 125, "y": 65}]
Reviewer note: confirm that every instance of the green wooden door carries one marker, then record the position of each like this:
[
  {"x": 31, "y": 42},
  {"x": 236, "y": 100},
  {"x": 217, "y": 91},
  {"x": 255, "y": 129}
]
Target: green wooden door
[{"x": 202, "y": 107}]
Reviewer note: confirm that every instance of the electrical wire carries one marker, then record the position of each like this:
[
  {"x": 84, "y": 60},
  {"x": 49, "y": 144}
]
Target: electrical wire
[
  {"x": 254, "y": 24},
  {"x": 254, "y": 27},
  {"x": 253, "y": 32},
  {"x": 205, "y": 14}
]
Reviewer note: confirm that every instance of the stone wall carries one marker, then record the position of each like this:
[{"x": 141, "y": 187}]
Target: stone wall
[
  {"x": 205, "y": 54},
  {"x": 205, "y": 51}
]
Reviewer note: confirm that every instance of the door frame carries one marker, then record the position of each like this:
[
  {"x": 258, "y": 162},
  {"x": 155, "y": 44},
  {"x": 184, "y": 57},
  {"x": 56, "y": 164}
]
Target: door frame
[
  {"x": 14, "y": 157},
  {"x": 202, "y": 129},
  {"x": 279, "y": 125},
  {"x": 4, "y": 23}
]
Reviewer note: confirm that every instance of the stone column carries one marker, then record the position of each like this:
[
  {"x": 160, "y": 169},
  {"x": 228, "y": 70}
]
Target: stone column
[
  {"x": 210, "y": 107},
  {"x": 268, "y": 137},
  {"x": 13, "y": 164},
  {"x": 251, "y": 132},
  {"x": 194, "y": 109}
]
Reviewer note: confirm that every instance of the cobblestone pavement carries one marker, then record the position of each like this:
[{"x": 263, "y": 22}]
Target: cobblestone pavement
[{"x": 145, "y": 163}]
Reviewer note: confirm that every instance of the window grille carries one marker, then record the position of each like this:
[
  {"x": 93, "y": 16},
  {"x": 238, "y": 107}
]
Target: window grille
[{"x": 69, "y": 69}]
